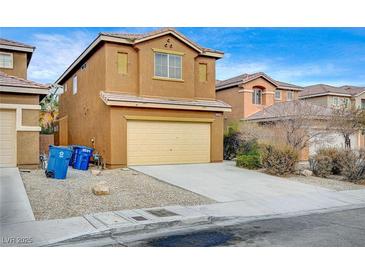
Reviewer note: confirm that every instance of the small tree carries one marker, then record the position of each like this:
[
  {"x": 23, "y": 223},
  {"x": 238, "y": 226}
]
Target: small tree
[
  {"x": 347, "y": 121},
  {"x": 297, "y": 123},
  {"x": 49, "y": 110}
]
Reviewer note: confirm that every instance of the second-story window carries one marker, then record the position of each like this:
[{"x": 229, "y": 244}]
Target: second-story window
[
  {"x": 277, "y": 94},
  {"x": 168, "y": 65},
  {"x": 74, "y": 85},
  {"x": 257, "y": 96},
  {"x": 6, "y": 60},
  {"x": 289, "y": 95}
]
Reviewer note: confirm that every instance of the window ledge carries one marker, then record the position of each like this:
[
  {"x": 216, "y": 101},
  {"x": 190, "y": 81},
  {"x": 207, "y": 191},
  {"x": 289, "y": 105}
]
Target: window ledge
[{"x": 167, "y": 79}]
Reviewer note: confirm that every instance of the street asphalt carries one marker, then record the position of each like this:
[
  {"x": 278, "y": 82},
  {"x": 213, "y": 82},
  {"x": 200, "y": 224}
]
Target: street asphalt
[{"x": 341, "y": 228}]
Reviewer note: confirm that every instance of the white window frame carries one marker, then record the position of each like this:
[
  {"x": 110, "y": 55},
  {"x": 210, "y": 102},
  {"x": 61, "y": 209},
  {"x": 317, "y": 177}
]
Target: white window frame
[
  {"x": 11, "y": 58},
  {"x": 256, "y": 99},
  {"x": 74, "y": 84},
  {"x": 168, "y": 65},
  {"x": 335, "y": 101},
  {"x": 291, "y": 95},
  {"x": 277, "y": 92}
]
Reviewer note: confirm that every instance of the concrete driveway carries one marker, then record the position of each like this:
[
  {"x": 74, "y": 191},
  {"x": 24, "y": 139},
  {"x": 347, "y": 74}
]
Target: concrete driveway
[
  {"x": 14, "y": 203},
  {"x": 224, "y": 182}
]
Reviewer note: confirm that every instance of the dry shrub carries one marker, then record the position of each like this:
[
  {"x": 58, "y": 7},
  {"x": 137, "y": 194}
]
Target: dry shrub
[
  {"x": 279, "y": 159},
  {"x": 322, "y": 165}
]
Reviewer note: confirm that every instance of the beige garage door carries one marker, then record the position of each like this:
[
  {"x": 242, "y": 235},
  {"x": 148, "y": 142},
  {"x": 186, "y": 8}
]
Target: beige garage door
[
  {"x": 155, "y": 142},
  {"x": 7, "y": 138}
]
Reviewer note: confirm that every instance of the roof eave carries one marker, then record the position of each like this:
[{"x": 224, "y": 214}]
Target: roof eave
[{"x": 27, "y": 90}]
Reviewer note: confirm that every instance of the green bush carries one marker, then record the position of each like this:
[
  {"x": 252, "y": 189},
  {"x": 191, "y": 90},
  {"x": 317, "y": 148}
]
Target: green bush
[
  {"x": 231, "y": 142},
  {"x": 279, "y": 159},
  {"x": 322, "y": 165},
  {"x": 336, "y": 155},
  {"x": 250, "y": 161}
]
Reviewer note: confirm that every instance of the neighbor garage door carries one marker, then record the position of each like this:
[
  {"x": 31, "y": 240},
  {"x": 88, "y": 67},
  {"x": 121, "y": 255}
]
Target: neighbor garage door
[
  {"x": 155, "y": 142},
  {"x": 7, "y": 138}
]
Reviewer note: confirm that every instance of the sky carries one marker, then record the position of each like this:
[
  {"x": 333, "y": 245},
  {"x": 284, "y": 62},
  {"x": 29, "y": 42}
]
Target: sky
[{"x": 302, "y": 56}]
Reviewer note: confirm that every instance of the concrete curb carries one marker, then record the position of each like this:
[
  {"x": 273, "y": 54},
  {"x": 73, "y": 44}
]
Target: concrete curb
[{"x": 130, "y": 236}]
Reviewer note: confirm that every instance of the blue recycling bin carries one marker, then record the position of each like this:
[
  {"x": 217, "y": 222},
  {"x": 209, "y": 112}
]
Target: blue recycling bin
[
  {"x": 82, "y": 157},
  {"x": 74, "y": 153},
  {"x": 58, "y": 160}
]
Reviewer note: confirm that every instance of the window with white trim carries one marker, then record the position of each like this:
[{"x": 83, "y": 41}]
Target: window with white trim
[
  {"x": 335, "y": 101},
  {"x": 74, "y": 85},
  {"x": 289, "y": 95},
  {"x": 168, "y": 65},
  {"x": 6, "y": 60},
  {"x": 257, "y": 96},
  {"x": 277, "y": 94}
]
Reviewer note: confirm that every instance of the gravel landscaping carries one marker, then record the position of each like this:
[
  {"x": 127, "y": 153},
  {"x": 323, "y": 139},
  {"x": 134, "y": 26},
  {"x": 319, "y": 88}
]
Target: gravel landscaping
[
  {"x": 129, "y": 189},
  {"x": 334, "y": 182}
]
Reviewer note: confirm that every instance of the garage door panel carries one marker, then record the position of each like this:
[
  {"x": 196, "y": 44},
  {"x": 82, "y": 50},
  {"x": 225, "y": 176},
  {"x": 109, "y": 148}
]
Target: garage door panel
[
  {"x": 154, "y": 142},
  {"x": 7, "y": 138}
]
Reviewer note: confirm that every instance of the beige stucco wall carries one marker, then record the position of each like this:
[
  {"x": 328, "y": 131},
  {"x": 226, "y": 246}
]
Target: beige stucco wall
[
  {"x": 19, "y": 64},
  {"x": 87, "y": 115},
  {"x": 16, "y": 98}
]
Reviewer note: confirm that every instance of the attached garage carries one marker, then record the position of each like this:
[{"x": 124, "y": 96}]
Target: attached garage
[
  {"x": 7, "y": 138},
  {"x": 167, "y": 142},
  {"x": 19, "y": 121}
]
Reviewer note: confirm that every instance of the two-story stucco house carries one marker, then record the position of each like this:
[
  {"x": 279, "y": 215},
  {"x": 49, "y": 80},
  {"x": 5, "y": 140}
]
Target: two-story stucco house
[
  {"x": 331, "y": 96},
  {"x": 19, "y": 107},
  {"x": 144, "y": 99},
  {"x": 251, "y": 93}
]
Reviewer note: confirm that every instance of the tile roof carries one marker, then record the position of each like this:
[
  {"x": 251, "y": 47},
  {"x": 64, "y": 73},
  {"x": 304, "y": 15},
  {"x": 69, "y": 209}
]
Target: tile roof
[
  {"x": 244, "y": 78},
  {"x": 133, "y": 37},
  {"x": 288, "y": 109},
  {"x": 7, "y": 42},
  {"x": 322, "y": 89},
  {"x": 124, "y": 97},
  {"x": 13, "y": 81}
]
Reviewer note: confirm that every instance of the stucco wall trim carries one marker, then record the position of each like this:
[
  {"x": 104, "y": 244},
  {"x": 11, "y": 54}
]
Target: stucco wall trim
[
  {"x": 173, "y": 119},
  {"x": 19, "y": 112}
]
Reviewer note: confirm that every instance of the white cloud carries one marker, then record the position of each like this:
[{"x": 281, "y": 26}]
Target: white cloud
[{"x": 54, "y": 53}]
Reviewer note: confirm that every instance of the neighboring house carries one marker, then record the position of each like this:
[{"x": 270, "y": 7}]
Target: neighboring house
[
  {"x": 19, "y": 107},
  {"x": 301, "y": 119},
  {"x": 250, "y": 93},
  {"x": 331, "y": 96},
  {"x": 144, "y": 99}
]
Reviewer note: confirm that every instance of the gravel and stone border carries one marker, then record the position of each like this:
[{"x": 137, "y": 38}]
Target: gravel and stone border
[
  {"x": 334, "y": 183},
  {"x": 129, "y": 189}
]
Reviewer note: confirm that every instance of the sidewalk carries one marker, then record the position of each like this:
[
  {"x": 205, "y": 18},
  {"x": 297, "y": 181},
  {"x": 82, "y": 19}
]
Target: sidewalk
[{"x": 134, "y": 224}]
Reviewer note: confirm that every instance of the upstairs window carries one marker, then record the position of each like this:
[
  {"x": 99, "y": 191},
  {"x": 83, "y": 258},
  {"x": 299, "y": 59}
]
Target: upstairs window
[
  {"x": 74, "y": 85},
  {"x": 168, "y": 65},
  {"x": 203, "y": 77},
  {"x": 6, "y": 60},
  {"x": 277, "y": 94},
  {"x": 257, "y": 96},
  {"x": 122, "y": 63},
  {"x": 65, "y": 87},
  {"x": 289, "y": 95}
]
